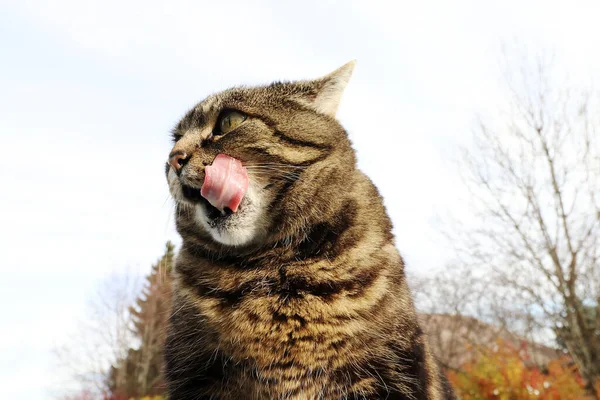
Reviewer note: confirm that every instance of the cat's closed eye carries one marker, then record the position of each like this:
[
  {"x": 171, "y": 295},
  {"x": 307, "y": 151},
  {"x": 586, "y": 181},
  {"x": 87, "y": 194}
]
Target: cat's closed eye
[{"x": 228, "y": 121}]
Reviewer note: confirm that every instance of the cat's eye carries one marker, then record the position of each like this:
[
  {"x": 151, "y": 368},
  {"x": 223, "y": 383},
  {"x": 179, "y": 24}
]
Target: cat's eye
[{"x": 229, "y": 120}]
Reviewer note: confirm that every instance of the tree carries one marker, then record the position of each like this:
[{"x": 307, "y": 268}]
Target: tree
[
  {"x": 534, "y": 180},
  {"x": 103, "y": 336},
  {"x": 453, "y": 307},
  {"x": 142, "y": 366}
]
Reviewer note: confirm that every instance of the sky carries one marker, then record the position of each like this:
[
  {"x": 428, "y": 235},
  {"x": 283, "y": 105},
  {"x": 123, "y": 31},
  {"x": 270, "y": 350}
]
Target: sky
[{"x": 90, "y": 89}]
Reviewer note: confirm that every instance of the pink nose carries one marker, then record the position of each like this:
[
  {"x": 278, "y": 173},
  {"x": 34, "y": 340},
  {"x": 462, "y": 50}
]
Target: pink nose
[{"x": 177, "y": 160}]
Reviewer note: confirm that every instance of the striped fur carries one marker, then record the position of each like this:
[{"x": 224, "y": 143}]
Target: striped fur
[{"x": 311, "y": 301}]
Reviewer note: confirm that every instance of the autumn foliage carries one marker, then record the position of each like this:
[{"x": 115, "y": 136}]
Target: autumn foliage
[{"x": 502, "y": 372}]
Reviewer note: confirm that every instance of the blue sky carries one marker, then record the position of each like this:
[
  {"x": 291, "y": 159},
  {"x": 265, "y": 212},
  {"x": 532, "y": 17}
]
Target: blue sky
[{"x": 89, "y": 91}]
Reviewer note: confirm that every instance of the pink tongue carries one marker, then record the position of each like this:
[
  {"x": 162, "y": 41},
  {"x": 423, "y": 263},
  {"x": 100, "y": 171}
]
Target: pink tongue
[{"x": 225, "y": 183}]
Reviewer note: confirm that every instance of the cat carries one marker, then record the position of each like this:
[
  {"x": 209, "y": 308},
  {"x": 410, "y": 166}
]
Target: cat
[{"x": 288, "y": 284}]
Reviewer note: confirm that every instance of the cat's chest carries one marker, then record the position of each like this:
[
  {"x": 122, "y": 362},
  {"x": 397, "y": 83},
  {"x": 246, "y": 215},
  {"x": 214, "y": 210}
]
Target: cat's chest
[
  {"x": 289, "y": 354},
  {"x": 292, "y": 335}
]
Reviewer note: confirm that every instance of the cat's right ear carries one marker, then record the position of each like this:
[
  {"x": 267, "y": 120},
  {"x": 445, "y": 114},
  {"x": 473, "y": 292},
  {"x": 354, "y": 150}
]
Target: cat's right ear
[{"x": 330, "y": 89}]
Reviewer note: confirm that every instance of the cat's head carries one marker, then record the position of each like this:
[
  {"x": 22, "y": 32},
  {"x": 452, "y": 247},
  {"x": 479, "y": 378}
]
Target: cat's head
[{"x": 298, "y": 159}]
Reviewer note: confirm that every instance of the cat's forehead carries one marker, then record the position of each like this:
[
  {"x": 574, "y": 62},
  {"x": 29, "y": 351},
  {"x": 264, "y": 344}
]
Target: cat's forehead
[
  {"x": 239, "y": 97},
  {"x": 202, "y": 113},
  {"x": 256, "y": 96},
  {"x": 243, "y": 98}
]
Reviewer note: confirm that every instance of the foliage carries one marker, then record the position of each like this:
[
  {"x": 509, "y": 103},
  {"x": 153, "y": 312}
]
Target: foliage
[{"x": 502, "y": 373}]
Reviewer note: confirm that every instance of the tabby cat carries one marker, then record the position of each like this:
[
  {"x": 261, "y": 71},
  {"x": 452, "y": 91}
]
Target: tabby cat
[{"x": 287, "y": 284}]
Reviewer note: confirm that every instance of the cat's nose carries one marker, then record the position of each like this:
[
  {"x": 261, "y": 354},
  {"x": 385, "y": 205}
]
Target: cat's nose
[{"x": 177, "y": 160}]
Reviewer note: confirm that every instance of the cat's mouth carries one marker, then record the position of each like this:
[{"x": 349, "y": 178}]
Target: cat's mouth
[
  {"x": 194, "y": 195},
  {"x": 226, "y": 226},
  {"x": 224, "y": 202}
]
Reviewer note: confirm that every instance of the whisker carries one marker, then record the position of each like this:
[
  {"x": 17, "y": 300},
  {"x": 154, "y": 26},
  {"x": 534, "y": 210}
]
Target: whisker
[
  {"x": 286, "y": 177},
  {"x": 264, "y": 168},
  {"x": 274, "y": 170},
  {"x": 276, "y": 165}
]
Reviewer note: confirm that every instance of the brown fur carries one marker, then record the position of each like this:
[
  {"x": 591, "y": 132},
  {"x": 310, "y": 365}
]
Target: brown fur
[{"x": 315, "y": 305}]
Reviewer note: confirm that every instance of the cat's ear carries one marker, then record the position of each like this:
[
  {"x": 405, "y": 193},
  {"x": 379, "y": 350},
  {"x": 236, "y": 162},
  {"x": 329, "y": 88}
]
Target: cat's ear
[{"x": 330, "y": 89}]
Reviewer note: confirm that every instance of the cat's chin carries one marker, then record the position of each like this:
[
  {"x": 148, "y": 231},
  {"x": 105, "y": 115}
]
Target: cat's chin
[{"x": 241, "y": 228}]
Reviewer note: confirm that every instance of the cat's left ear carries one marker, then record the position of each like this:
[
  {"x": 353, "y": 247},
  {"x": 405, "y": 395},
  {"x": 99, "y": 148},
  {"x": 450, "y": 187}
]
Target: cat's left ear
[{"x": 330, "y": 89}]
